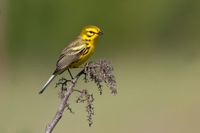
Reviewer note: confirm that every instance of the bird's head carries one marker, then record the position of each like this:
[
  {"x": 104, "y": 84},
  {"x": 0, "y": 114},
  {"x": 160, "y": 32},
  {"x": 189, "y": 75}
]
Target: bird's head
[{"x": 91, "y": 32}]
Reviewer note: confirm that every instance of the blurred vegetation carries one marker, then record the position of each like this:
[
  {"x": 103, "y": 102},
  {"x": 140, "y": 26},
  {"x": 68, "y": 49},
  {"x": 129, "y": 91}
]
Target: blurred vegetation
[{"x": 154, "y": 47}]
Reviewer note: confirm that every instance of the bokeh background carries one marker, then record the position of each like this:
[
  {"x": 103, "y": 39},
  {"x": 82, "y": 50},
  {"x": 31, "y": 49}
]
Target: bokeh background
[{"x": 154, "y": 48}]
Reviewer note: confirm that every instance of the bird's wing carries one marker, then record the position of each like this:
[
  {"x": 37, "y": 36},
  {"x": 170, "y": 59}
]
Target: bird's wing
[{"x": 69, "y": 55}]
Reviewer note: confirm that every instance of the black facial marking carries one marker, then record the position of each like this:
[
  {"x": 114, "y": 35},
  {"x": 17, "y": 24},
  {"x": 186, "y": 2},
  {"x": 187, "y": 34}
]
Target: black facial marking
[{"x": 88, "y": 36}]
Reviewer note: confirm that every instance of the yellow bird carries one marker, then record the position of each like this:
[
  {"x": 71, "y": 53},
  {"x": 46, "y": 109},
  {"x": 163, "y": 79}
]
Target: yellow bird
[{"x": 77, "y": 52}]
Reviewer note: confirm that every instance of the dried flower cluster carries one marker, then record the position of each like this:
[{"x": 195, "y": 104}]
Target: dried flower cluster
[
  {"x": 88, "y": 98},
  {"x": 101, "y": 71}
]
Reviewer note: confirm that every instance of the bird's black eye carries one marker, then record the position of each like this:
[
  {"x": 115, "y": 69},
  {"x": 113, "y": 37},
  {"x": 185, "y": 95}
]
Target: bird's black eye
[{"x": 91, "y": 31}]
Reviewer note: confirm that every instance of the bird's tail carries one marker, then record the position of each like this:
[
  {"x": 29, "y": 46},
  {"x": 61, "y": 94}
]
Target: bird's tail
[{"x": 47, "y": 83}]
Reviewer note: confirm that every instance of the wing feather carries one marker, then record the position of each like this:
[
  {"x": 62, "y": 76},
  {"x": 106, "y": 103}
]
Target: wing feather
[{"x": 70, "y": 54}]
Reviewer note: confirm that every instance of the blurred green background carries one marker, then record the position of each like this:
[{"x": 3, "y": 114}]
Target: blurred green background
[{"x": 153, "y": 45}]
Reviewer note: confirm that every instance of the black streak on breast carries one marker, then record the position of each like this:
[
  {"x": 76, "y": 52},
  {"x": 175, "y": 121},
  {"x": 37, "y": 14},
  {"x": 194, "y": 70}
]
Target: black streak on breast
[{"x": 86, "y": 51}]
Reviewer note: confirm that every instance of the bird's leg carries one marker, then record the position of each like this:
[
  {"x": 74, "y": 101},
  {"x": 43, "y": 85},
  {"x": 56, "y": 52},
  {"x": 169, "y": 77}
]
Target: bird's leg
[{"x": 70, "y": 73}]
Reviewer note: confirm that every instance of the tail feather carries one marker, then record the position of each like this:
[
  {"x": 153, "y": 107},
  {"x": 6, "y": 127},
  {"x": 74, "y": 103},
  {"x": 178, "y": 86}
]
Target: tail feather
[{"x": 47, "y": 83}]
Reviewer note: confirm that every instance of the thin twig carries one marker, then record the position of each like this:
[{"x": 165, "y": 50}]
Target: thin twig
[{"x": 61, "y": 108}]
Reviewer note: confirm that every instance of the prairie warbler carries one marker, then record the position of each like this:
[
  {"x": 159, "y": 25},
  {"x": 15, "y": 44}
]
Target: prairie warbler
[{"x": 77, "y": 52}]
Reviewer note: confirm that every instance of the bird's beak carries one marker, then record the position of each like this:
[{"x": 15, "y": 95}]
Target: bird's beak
[{"x": 100, "y": 33}]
